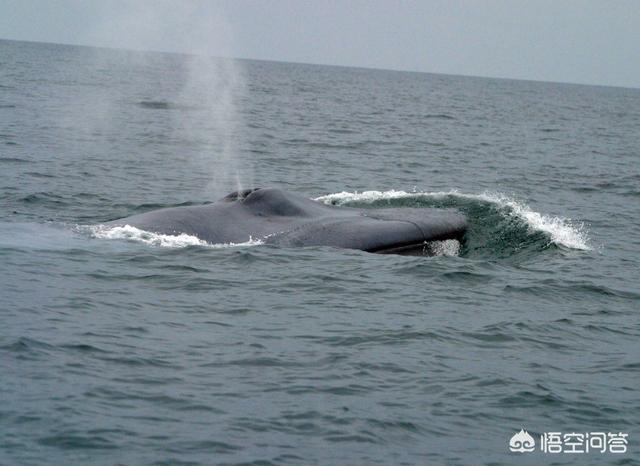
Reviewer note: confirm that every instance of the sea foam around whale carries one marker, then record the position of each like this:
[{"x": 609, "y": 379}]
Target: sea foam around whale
[
  {"x": 562, "y": 231},
  {"x": 182, "y": 240}
]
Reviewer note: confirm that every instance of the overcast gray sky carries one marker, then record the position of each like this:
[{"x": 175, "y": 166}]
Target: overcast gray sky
[{"x": 587, "y": 41}]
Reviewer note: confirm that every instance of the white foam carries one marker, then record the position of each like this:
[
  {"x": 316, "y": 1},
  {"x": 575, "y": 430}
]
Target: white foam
[
  {"x": 562, "y": 231},
  {"x": 345, "y": 197},
  {"x": 448, "y": 247},
  {"x": 155, "y": 239}
]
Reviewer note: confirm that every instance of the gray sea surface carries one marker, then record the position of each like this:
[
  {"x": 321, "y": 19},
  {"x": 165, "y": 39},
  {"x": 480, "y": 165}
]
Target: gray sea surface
[{"x": 126, "y": 347}]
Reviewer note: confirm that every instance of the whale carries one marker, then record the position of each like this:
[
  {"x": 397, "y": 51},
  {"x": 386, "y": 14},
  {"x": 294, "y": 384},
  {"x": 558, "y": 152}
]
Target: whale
[{"x": 281, "y": 218}]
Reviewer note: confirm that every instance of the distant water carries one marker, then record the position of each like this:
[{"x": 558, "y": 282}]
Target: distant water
[{"x": 121, "y": 346}]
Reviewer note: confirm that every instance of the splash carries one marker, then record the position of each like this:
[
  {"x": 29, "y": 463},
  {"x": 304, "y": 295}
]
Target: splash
[
  {"x": 182, "y": 240},
  {"x": 561, "y": 231},
  {"x": 448, "y": 247}
]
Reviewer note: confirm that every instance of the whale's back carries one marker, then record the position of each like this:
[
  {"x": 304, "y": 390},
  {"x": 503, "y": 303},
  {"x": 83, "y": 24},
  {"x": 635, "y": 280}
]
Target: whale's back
[{"x": 287, "y": 219}]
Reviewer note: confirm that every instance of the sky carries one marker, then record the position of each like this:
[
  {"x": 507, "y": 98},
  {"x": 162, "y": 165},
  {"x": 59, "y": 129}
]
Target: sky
[{"x": 586, "y": 41}]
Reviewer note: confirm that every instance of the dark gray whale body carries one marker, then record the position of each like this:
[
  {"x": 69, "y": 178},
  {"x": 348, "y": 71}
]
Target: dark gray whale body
[{"x": 282, "y": 218}]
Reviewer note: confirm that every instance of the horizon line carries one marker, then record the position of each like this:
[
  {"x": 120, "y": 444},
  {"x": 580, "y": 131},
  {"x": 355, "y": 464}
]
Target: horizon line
[{"x": 396, "y": 70}]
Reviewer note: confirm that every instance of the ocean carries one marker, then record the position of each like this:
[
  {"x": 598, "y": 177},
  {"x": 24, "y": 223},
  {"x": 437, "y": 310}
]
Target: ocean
[{"x": 128, "y": 347}]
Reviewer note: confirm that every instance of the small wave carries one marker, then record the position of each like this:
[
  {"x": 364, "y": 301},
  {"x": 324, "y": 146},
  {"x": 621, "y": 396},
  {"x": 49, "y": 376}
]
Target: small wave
[
  {"x": 440, "y": 116},
  {"x": 182, "y": 240},
  {"x": 13, "y": 160},
  {"x": 155, "y": 104},
  {"x": 562, "y": 231},
  {"x": 163, "y": 105}
]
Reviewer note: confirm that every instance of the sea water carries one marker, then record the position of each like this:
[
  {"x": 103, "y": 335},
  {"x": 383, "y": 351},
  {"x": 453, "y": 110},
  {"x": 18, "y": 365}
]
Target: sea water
[{"x": 124, "y": 346}]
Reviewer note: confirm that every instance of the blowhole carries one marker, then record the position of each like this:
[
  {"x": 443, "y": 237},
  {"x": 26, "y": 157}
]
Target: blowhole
[{"x": 239, "y": 195}]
